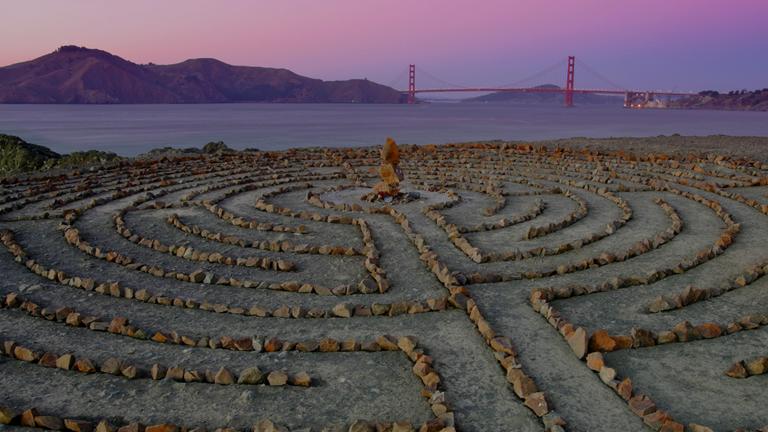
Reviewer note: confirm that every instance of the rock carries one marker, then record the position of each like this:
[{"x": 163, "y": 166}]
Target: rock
[
  {"x": 607, "y": 374},
  {"x": 84, "y": 365},
  {"x": 537, "y": 403},
  {"x": 578, "y": 342},
  {"x": 666, "y": 337},
  {"x": 407, "y": 344},
  {"x": 301, "y": 379},
  {"x": 402, "y": 426},
  {"x": 48, "y": 360},
  {"x": 6, "y": 415},
  {"x": 709, "y": 330},
  {"x": 162, "y": 428},
  {"x": 757, "y": 366},
  {"x": 642, "y": 338},
  {"x": 656, "y": 419},
  {"x": 502, "y": 344},
  {"x": 595, "y": 361},
  {"x": 130, "y": 371},
  {"x": 277, "y": 378},
  {"x": 28, "y": 417},
  {"x": 672, "y": 426},
  {"x": 601, "y": 341},
  {"x": 361, "y": 426},
  {"x": 737, "y": 370},
  {"x": 685, "y": 331},
  {"x": 132, "y": 427},
  {"x": 104, "y": 426},
  {"x": 26, "y": 354},
  {"x": 387, "y": 343},
  {"x": 157, "y": 372},
  {"x": 641, "y": 405},
  {"x": 522, "y": 384},
  {"x": 699, "y": 428},
  {"x": 329, "y": 345},
  {"x": 112, "y": 366},
  {"x": 224, "y": 377},
  {"x": 624, "y": 389},
  {"x": 343, "y": 310},
  {"x": 78, "y": 425},
  {"x": 65, "y": 361},
  {"x": 49, "y": 422},
  {"x": 251, "y": 375}
]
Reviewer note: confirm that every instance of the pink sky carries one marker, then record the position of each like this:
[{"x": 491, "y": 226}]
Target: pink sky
[{"x": 664, "y": 44}]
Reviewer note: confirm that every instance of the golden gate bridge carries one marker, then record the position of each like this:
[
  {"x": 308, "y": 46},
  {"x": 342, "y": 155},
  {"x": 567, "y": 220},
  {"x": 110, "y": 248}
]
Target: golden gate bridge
[{"x": 632, "y": 98}]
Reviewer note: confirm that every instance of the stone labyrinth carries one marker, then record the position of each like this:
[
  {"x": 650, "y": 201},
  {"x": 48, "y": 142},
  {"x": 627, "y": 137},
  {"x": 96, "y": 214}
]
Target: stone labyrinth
[{"x": 527, "y": 289}]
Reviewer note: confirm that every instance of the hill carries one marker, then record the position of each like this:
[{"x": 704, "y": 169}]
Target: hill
[
  {"x": 735, "y": 100},
  {"x": 544, "y": 98},
  {"x": 76, "y": 75}
]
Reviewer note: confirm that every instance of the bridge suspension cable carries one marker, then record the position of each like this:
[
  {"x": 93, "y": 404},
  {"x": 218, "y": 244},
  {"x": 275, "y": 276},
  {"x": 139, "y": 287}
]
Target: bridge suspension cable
[
  {"x": 599, "y": 76},
  {"x": 441, "y": 81},
  {"x": 536, "y": 75}
]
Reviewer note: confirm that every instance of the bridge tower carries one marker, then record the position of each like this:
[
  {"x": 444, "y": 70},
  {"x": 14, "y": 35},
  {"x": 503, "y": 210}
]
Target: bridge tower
[
  {"x": 412, "y": 84},
  {"x": 569, "y": 82}
]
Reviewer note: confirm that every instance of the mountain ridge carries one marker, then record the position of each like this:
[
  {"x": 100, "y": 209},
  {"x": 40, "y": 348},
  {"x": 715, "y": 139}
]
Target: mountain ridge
[{"x": 78, "y": 75}]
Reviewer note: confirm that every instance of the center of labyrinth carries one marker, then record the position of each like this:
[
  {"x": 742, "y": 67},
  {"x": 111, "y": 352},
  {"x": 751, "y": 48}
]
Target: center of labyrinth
[{"x": 520, "y": 289}]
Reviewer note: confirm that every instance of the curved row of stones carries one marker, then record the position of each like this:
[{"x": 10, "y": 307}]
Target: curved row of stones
[{"x": 255, "y": 201}]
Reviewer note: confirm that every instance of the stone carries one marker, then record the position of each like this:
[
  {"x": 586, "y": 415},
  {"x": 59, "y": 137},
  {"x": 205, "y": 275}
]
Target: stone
[
  {"x": 737, "y": 370},
  {"x": 75, "y": 425},
  {"x": 251, "y": 375},
  {"x": 301, "y": 379},
  {"x": 26, "y": 354},
  {"x": 522, "y": 384},
  {"x": 361, "y": 426},
  {"x": 277, "y": 378},
  {"x": 656, "y": 419},
  {"x": 537, "y": 403},
  {"x": 84, "y": 365},
  {"x": 607, "y": 374},
  {"x": 112, "y": 366},
  {"x": 224, "y": 377},
  {"x": 28, "y": 417},
  {"x": 757, "y": 366},
  {"x": 343, "y": 310},
  {"x": 601, "y": 341},
  {"x": 162, "y": 428},
  {"x": 131, "y": 427},
  {"x": 699, "y": 428},
  {"x": 641, "y": 405},
  {"x": 672, "y": 426},
  {"x": 104, "y": 426},
  {"x": 49, "y": 422},
  {"x": 595, "y": 361},
  {"x": 157, "y": 372},
  {"x": 6, "y": 415},
  {"x": 709, "y": 330},
  {"x": 624, "y": 389},
  {"x": 65, "y": 361},
  {"x": 642, "y": 338},
  {"x": 578, "y": 342},
  {"x": 666, "y": 337},
  {"x": 402, "y": 426}
]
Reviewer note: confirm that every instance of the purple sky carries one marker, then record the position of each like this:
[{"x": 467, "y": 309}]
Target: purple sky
[{"x": 644, "y": 44}]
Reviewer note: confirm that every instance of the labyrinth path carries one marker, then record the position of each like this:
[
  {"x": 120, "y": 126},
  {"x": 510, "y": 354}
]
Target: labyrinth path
[{"x": 526, "y": 289}]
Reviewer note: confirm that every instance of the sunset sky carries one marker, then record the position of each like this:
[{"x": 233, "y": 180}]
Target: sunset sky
[{"x": 644, "y": 44}]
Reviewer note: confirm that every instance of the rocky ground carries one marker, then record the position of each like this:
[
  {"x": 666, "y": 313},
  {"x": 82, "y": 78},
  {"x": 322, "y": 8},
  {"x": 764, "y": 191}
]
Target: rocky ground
[{"x": 527, "y": 289}]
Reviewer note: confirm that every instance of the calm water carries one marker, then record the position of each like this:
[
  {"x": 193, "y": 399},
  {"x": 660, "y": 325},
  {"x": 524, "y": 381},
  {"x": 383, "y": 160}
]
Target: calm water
[{"x": 132, "y": 129}]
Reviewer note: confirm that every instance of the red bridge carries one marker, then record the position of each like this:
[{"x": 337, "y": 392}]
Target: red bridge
[{"x": 632, "y": 98}]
